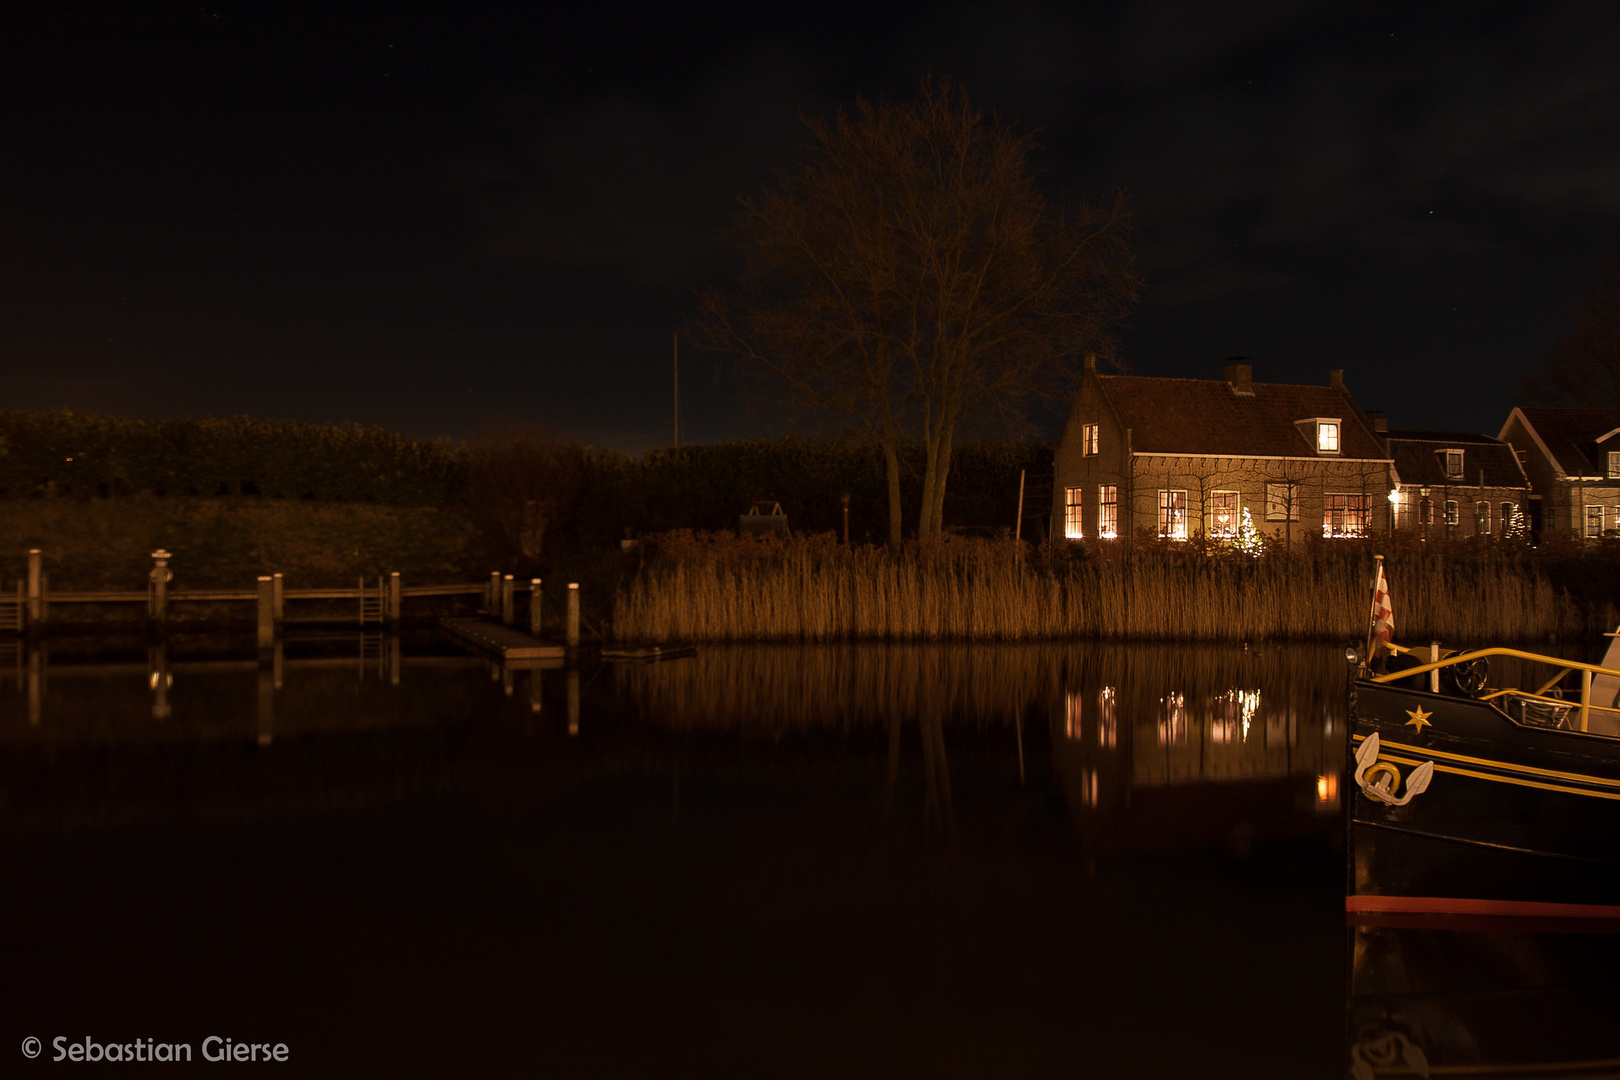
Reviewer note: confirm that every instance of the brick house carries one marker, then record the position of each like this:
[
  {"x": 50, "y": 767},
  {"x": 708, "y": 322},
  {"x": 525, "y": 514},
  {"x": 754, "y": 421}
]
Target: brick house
[
  {"x": 1572, "y": 457},
  {"x": 1449, "y": 483},
  {"x": 1182, "y": 456}
]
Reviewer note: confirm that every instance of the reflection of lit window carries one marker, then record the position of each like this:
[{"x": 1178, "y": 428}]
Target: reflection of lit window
[
  {"x": 1327, "y": 789},
  {"x": 1108, "y": 511},
  {"x": 1280, "y": 729},
  {"x": 1223, "y": 514},
  {"x": 1088, "y": 786},
  {"x": 1107, "y": 723},
  {"x": 1172, "y": 719},
  {"x": 1071, "y": 514},
  {"x": 1233, "y": 714},
  {"x": 1071, "y": 719}
]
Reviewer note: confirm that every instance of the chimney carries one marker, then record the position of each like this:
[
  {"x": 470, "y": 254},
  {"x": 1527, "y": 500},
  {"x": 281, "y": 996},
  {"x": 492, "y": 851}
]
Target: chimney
[
  {"x": 1336, "y": 378},
  {"x": 1240, "y": 376},
  {"x": 1091, "y": 363}
]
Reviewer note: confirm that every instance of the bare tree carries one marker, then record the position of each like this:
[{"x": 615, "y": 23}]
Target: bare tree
[
  {"x": 1583, "y": 368},
  {"x": 518, "y": 479},
  {"x": 909, "y": 278}
]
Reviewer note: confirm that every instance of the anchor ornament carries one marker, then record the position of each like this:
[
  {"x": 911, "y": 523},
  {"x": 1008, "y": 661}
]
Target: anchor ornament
[{"x": 1379, "y": 779}]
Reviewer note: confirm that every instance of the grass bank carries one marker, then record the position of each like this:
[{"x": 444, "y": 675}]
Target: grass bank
[{"x": 814, "y": 590}]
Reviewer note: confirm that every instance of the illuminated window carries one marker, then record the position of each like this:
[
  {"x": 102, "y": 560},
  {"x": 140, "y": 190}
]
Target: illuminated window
[
  {"x": 1594, "y": 521},
  {"x": 1071, "y": 514},
  {"x": 1454, "y": 464},
  {"x": 1223, "y": 514},
  {"x": 1107, "y": 719},
  {"x": 1482, "y": 518},
  {"x": 1108, "y": 511},
  {"x": 1172, "y": 719},
  {"x": 1345, "y": 515},
  {"x": 1088, "y": 440},
  {"x": 1327, "y": 436},
  {"x": 1282, "y": 502},
  {"x": 1510, "y": 515},
  {"x": 1173, "y": 514},
  {"x": 1452, "y": 516}
]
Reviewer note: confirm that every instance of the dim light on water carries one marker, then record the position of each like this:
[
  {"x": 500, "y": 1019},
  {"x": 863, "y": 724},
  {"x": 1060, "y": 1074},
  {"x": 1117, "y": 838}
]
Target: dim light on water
[{"x": 1327, "y": 789}]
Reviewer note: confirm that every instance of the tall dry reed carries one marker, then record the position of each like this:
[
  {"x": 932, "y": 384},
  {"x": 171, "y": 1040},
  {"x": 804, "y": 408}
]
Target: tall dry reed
[{"x": 806, "y": 593}]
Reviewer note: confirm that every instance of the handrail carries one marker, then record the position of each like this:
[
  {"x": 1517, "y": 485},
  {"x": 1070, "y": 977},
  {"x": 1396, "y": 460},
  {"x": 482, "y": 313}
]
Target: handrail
[
  {"x": 1586, "y": 670},
  {"x": 1541, "y": 697}
]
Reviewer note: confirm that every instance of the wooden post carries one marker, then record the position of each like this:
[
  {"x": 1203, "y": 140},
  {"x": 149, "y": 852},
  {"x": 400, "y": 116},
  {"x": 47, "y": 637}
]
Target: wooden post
[
  {"x": 534, "y": 606},
  {"x": 395, "y": 596},
  {"x": 571, "y": 638},
  {"x": 1586, "y": 696},
  {"x": 267, "y": 683},
  {"x": 492, "y": 594},
  {"x": 1434, "y": 676},
  {"x": 267, "y": 610},
  {"x": 508, "y": 600},
  {"x": 161, "y": 576},
  {"x": 278, "y": 599},
  {"x": 36, "y": 584}
]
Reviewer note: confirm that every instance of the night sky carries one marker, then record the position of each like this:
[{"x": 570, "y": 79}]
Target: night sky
[{"x": 430, "y": 222}]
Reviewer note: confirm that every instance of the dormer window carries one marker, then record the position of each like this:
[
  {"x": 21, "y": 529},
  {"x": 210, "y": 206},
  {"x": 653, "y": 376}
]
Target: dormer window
[
  {"x": 1327, "y": 436},
  {"x": 1454, "y": 464},
  {"x": 1614, "y": 464}
]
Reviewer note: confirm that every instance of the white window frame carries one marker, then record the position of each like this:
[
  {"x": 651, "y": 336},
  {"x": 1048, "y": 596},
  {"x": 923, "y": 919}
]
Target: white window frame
[
  {"x": 1614, "y": 464},
  {"x": 1107, "y": 511},
  {"x": 1329, "y": 432},
  {"x": 1229, "y": 530},
  {"x": 1453, "y": 513},
  {"x": 1173, "y": 502},
  {"x": 1073, "y": 507},
  {"x": 1509, "y": 515},
  {"x": 1482, "y": 517},
  {"x": 1450, "y": 457},
  {"x": 1594, "y": 514},
  {"x": 1282, "y": 502},
  {"x": 1088, "y": 440}
]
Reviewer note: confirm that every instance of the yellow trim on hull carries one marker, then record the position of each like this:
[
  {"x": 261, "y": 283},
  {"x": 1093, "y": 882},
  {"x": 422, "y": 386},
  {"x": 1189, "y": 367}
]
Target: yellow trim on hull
[{"x": 1410, "y": 749}]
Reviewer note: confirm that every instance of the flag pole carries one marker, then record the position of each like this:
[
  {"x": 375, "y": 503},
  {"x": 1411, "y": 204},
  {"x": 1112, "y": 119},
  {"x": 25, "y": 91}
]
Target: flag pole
[{"x": 1372, "y": 606}]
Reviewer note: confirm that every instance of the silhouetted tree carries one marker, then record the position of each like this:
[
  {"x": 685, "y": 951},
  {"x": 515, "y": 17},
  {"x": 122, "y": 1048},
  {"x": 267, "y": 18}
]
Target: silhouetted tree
[
  {"x": 910, "y": 277},
  {"x": 1583, "y": 368}
]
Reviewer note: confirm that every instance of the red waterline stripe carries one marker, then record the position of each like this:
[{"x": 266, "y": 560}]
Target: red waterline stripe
[{"x": 1446, "y": 905}]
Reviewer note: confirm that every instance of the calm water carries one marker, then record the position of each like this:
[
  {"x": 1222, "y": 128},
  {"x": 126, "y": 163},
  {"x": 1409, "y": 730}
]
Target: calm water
[{"x": 856, "y": 861}]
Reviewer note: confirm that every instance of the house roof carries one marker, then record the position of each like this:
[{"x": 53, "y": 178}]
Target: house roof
[
  {"x": 1417, "y": 460},
  {"x": 1571, "y": 435},
  {"x": 1206, "y": 416}
]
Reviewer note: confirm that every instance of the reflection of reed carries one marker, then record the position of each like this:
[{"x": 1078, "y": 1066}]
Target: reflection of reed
[
  {"x": 800, "y": 598},
  {"x": 777, "y": 687}
]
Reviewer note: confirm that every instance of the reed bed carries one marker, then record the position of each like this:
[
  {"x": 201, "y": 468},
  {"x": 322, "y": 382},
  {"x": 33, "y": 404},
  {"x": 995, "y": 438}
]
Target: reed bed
[{"x": 804, "y": 593}]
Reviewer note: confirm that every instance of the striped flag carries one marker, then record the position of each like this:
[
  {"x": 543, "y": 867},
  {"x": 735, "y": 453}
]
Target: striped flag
[{"x": 1383, "y": 615}]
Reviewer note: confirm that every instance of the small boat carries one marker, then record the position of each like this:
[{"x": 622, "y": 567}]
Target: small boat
[
  {"x": 666, "y": 651},
  {"x": 1472, "y": 801}
]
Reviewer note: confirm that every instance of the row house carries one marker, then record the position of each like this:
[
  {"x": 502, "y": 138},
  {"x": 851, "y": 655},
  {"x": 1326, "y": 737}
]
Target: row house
[
  {"x": 1179, "y": 456},
  {"x": 1454, "y": 484},
  {"x": 1572, "y": 459}
]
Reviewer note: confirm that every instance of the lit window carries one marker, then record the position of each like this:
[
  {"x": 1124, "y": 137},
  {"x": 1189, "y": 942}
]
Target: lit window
[
  {"x": 1173, "y": 514},
  {"x": 1327, "y": 437},
  {"x": 1594, "y": 521},
  {"x": 1510, "y": 516},
  {"x": 1345, "y": 515},
  {"x": 1071, "y": 513},
  {"x": 1282, "y": 502},
  {"x": 1223, "y": 514},
  {"x": 1172, "y": 719},
  {"x": 1071, "y": 721},
  {"x": 1107, "y": 720},
  {"x": 1614, "y": 463},
  {"x": 1108, "y": 511},
  {"x": 1482, "y": 518},
  {"x": 1454, "y": 464},
  {"x": 1451, "y": 512},
  {"x": 1088, "y": 440}
]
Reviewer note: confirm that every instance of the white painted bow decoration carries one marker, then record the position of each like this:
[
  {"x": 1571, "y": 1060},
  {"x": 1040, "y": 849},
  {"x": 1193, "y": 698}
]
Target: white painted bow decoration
[{"x": 1379, "y": 779}]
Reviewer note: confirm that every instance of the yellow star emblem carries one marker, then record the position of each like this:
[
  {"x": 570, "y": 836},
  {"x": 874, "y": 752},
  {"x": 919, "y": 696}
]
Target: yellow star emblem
[{"x": 1419, "y": 718}]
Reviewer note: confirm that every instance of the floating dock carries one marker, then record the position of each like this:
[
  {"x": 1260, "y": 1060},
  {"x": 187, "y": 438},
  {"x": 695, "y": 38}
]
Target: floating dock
[
  {"x": 500, "y": 641},
  {"x": 668, "y": 651}
]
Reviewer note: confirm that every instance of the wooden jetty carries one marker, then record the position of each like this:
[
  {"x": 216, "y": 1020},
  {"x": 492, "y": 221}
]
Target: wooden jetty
[{"x": 503, "y": 642}]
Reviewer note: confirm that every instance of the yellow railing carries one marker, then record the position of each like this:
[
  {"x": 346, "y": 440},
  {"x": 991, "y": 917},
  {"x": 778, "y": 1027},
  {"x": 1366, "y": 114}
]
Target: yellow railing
[{"x": 1564, "y": 666}]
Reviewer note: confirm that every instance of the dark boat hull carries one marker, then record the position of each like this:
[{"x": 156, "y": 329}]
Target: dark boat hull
[{"x": 1513, "y": 813}]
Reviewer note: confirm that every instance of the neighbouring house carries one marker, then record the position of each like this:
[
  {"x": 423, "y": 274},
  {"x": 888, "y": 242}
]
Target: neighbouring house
[
  {"x": 1181, "y": 456},
  {"x": 1449, "y": 483},
  {"x": 1572, "y": 457}
]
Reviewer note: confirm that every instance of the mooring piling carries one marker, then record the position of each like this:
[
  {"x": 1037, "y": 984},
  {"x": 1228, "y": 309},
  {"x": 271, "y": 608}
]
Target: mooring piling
[
  {"x": 395, "y": 598},
  {"x": 278, "y": 599},
  {"x": 36, "y": 585},
  {"x": 508, "y": 600},
  {"x": 534, "y": 607},
  {"x": 267, "y": 611},
  {"x": 161, "y": 576},
  {"x": 571, "y": 637}
]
